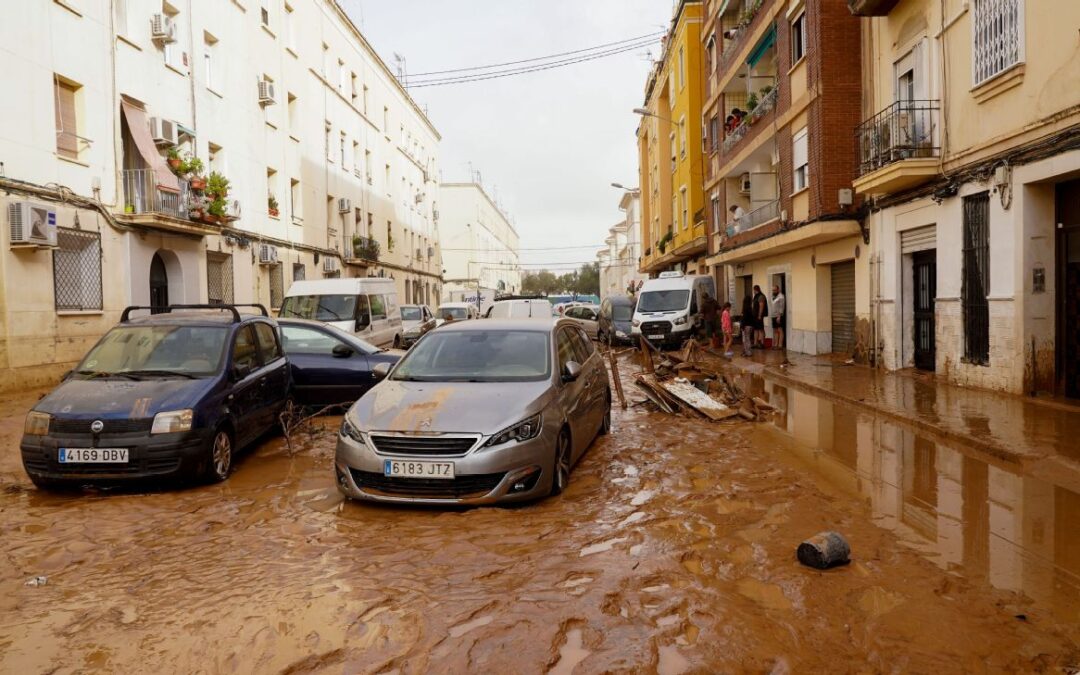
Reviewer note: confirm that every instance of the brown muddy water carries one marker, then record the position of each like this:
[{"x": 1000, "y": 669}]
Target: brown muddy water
[{"x": 672, "y": 551}]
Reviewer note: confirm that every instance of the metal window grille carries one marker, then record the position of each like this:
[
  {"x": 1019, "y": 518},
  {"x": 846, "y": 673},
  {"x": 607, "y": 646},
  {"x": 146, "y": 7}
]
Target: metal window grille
[
  {"x": 277, "y": 285},
  {"x": 997, "y": 39},
  {"x": 976, "y": 282},
  {"x": 77, "y": 270},
  {"x": 219, "y": 278},
  {"x": 299, "y": 272}
]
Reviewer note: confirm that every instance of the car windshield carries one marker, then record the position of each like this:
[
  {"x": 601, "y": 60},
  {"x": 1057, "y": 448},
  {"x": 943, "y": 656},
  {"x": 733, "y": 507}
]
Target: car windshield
[
  {"x": 663, "y": 301},
  {"x": 410, "y": 314},
  {"x": 477, "y": 356},
  {"x": 455, "y": 312},
  {"x": 320, "y": 307},
  {"x": 622, "y": 312},
  {"x": 156, "y": 350}
]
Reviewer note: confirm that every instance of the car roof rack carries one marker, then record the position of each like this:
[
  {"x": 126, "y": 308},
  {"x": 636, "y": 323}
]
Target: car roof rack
[{"x": 165, "y": 309}]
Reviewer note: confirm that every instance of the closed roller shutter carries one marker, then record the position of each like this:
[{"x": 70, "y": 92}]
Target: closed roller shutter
[
  {"x": 843, "y": 306},
  {"x": 919, "y": 239}
]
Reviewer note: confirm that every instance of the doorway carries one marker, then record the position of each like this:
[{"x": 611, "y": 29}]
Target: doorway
[
  {"x": 1068, "y": 284},
  {"x": 843, "y": 307},
  {"x": 924, "y": 270},
  {"x": 159, "y": 284}
]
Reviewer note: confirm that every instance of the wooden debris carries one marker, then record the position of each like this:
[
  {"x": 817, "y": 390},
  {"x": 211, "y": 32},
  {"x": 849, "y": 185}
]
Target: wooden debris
[
  {"x": 746, "y": 414},
  {"x": 698, "y": 401},
  {"x": 762, "y": 404},
  {"x": 646, "y": 356},
  {"x": 618, "y": 380}
]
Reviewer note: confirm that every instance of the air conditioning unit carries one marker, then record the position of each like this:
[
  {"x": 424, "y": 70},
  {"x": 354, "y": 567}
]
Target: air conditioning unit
[
  {"x": 32, "y": 224},
  {"x": 331, "y": 265},
  {"x": 233, "y": 210},
  {"x": 744, "y": 183},
  {"x": 163, "y": 131},
  {"x": 266, "y": 93},
  {"x": 267, "y": 254},
  {"x": 344, "y": 205},
  {"x": 162, "y": 29}
]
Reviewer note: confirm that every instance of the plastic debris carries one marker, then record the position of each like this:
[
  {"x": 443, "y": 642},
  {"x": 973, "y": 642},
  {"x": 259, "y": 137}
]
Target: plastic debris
[
  {"x": 37, "y": 581},
  {"x": 824, "y": 550}
]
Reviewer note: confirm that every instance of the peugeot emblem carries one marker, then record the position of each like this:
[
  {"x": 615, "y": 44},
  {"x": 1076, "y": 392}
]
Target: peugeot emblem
[
  {"x": 96, "y": 426},
  {"x": 425, "y": 424}
]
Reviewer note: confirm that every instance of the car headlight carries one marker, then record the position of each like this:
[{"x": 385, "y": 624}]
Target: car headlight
[
  {"x": 635, "y": 323},
  {"x": 680, "y": 321},
  {"x": 172, "y": 421},
  {"x": 37, "y": 424},
  {"x": 351, "y": 432},
  {"x": 522, "y": 431}
]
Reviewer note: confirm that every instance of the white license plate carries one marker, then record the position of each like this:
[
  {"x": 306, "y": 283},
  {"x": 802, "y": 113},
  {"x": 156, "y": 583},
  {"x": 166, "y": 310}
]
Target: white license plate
[
  {"x": 405, "y": 469},
  {"x": 656, "y": 337},
  {"x": 93, "y": 456}
]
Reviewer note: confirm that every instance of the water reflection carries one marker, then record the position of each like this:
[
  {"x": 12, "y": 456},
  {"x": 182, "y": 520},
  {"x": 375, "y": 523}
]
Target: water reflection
[{"x": 992, "y": 523}]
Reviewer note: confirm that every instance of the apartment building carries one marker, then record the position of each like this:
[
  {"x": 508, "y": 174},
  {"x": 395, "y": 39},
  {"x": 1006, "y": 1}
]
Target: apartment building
[
  {"x": 620, "y": 258},
  {"x": 968, "y": 154},
  {"x": 481, "y": 242},
  {"x": 673, "y": 227},
  {"x": 782, "y": 95},
  {"x": 200, "y": 151}
]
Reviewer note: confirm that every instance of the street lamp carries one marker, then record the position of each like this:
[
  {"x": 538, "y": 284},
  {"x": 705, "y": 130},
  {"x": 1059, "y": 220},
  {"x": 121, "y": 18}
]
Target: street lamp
[
  {"x": 620, "y": 186},
  {"x": 645, "y": 113}
]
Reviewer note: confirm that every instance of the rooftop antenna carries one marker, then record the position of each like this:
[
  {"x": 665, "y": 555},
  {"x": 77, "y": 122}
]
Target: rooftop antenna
[{"x": 402, "y": 72}]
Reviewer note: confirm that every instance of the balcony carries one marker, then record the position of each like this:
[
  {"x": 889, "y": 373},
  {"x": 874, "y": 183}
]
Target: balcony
[
  {"x": 764, "y": 106},
  {"x": 898, "y": 148},
  {"x": 145, "y": 203},
  {"x": 871, "y": 7},
  {"x": 759, "y": 216},
  {"x": 365, "y": 251}
]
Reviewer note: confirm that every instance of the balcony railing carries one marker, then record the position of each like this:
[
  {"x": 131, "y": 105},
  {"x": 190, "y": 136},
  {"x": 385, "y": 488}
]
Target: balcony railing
[
  {"x": 767, "y": 103},
  {"x": 759, "y": 216},
  {"x": 142, "y": 195},
  {"x": 904, "y": 130},
  {"x": 365, "y": 248}
]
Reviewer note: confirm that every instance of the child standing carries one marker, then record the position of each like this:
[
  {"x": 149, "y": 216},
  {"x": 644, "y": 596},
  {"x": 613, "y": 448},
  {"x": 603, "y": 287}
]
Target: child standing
[{"x": 725, "y": 326}]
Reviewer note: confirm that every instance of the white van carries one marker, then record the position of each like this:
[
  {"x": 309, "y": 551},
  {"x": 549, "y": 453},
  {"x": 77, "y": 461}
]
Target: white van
[
  {"x": 520, "y": 309},
  {"x": 669, "y": 307},
  {"x": 367, "y": 307}
]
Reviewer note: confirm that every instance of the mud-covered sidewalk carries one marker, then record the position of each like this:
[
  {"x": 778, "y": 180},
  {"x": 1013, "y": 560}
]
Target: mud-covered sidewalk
[{"x": 671, "y": 551}]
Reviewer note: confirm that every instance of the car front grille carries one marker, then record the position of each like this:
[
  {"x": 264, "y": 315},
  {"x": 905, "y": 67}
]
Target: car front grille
[
  {"x": 60, "y": 425},
  {"x": 476, "y": 485},
  {"x": 655, "y": 328},
  {"x": 444, "y": 446}
]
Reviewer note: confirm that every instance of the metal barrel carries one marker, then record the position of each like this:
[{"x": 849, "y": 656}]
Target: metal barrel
[{"x": 824, "y": 550}]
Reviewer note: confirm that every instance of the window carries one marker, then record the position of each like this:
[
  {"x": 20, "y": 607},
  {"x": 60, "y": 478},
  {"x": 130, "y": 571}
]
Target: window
[
  {"x": 674, "y": 212},
  {"x": 367, "y": 167},
  {"x": 353, "y": 91},
  {"x": 271, "y": 192},
  {"x": 997, "y": 37},
  {"x": 245, "y": 350},
  {"x": 674, "y": 153},
  {"x": 302, "y": 340},
  {"x": 331, "y": 212},
  {"x": 299, "y": 272},
  {"x": 799, "y": 160},
  {"x": 389, "y": 236},
  {"x": 976, "y": 281},
  {"x": 215, "y": 158},
  {"x": 682, "y": 137},
  {"x": 67, "y": 122},
  {"x": 264, "y": 14},
  {"x": 343, "y": 76},
  {"x": 174, "y": 51},
  {"x": 209, "y": 50},
  {"x": 356, "y": 158},
  {"x": 329, "y": 142},
  {"x": 219, "y": 278},
  {"x": 290, "y": 38},
  {"x": 386, "y": 120},
  {"x": 714, "y": 133},
  {"x": 684, "y": 211},
  {"x": 295, "y": 207},
  {"x": 378, "y": 306},
  {"x": 277, "y": 286},
  {"x": 717, "y": 216},
  {"x": 341, "y": 150},
  {"x": 293, "y": 111},
  {"x": 682, "y": 68},
  {"x": 269, "y": 349},
  {"x": 798, "y": 38},
  {"x": 120, "y": 16},
  {"x": 365, "y": 99},
  {"x": 77, "y": 270},
  {"x": 326, "y": 60}
]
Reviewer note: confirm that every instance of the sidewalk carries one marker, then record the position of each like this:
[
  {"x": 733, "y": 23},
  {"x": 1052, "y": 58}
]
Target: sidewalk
[{"x": 1012, "y": 428}]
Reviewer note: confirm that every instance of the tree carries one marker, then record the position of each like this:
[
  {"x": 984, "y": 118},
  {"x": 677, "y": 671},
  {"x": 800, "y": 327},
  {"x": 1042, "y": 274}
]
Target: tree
[
  {"x": 542, "y": 283},
  {"x": 588, "y": 280},
  {"x": 568, "y": 282}
]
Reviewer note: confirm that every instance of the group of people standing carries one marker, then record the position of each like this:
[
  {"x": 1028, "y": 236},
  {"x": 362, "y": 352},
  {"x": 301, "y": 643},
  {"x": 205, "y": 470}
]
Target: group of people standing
[{"x": 755, "y": 312}]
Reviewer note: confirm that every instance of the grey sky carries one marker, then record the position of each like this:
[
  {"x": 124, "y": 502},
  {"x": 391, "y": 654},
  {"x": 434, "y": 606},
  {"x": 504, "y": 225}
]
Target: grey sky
[{"x": 548, "y": 143}]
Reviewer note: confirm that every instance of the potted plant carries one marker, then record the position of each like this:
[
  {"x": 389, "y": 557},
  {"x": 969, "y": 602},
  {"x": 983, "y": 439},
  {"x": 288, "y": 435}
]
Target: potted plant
[
  {"x": 217, "y": 185},
  {"x": 216, "y": 210},
  {"x": 272, "y": 205},
  {"x": 198, "y": 207},
  {"x": 193, "y": 168},
  {"x": 751, "y": 102},
  {"x": 172, "y": 156},
  {"x": 129, "y": 208}
]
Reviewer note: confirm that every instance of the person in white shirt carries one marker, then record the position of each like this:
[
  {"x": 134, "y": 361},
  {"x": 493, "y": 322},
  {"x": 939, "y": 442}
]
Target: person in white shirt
[
  {"x": 779, "y": 309},
  {"x": 736, "y": 212}
]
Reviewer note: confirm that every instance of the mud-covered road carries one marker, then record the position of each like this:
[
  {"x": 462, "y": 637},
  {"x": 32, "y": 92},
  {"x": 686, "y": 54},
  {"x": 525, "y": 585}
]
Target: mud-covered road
[{"x": 671, "y": 551}]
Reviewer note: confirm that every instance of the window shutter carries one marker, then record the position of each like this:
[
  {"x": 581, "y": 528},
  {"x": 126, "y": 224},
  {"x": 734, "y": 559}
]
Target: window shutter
[
  {"x": 798, "y": 148},
  {"x": 67, "y": 142}
]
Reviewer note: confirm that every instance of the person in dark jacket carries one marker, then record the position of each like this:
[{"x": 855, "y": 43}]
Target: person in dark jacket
[
  {"x": 747, "y": 325},
  {"x": 761, "y": 312}
]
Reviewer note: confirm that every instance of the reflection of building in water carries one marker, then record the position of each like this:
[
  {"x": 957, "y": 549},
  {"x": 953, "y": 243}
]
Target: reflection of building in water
[{"x": 988, "y": 520}]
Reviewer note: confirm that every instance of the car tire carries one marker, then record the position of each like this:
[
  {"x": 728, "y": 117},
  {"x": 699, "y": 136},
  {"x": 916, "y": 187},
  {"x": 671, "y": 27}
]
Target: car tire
[
  {"x": 560, "y": 473},
  {"x": 605, "y": 423},
  {"x": 219, "y": 456},
  {"x": 600, "y": 337}
]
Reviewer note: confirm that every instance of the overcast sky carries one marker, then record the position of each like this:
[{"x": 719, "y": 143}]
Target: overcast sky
[{"x": 548, "y": 144}]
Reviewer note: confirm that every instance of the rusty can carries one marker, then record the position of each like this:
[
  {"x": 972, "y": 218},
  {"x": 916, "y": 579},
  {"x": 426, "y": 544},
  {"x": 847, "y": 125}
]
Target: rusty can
[{"x": 824, "y": 550}]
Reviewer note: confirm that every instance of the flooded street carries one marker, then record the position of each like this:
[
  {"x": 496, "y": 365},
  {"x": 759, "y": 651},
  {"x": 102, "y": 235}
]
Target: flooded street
[{"x": 671, "y": 551}]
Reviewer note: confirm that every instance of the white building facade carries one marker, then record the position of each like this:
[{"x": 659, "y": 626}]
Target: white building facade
[
  {"x": 331, "y": 167},
  {"x": 481, "y": 245},
  {"x": 619, "y": 261}
]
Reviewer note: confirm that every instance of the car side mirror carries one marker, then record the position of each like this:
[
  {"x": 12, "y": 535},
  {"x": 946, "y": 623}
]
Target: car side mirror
[
  {"x": 571, "y": 371},
  {"x": 342, "y": 351},
  {"x": 381, "y": 370}
]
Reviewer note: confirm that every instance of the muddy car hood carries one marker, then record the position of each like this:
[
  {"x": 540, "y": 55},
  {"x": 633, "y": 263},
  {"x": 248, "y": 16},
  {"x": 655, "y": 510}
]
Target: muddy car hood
[
  {"x": 121, "y": 398},
  {"x": 450, "y": 407}
]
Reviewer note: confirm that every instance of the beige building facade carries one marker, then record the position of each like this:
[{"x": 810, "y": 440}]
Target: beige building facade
[
  {"x": 332, "y": 168},
  {"x": 481, "y": 242}
]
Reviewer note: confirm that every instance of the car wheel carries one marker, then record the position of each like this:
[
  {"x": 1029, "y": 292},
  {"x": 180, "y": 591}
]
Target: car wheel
[
  {"x": 561, "y": 474},
  {"x": 219, "y": 462},
  {"x": 600, "y": 337},
  {"x": 605, "y": 424}
]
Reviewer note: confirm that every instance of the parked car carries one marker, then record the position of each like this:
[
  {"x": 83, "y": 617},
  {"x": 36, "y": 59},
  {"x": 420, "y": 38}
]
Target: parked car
[
  {"x": 585, "y": 316},
  {"x": 416, "y": 320},
  {"x": 613, "y": 323},
  {"x": 176, "y": 393},
  {"x": 477, "y": 412},
  {"x": 520, "y": 309},
  {"x": 458, "y": 311},
  {"x": 330, "y": 366},
  {"x": 669, "y": 307},
  {"x": 367, "y": 307}
]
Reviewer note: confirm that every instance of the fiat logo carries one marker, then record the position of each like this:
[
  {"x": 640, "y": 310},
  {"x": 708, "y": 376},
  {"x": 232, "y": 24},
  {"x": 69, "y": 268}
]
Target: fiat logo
[{"x": 96, "y": 426}]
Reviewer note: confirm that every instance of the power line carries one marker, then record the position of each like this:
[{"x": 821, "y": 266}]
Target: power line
[{"x": 524, "y": 71}]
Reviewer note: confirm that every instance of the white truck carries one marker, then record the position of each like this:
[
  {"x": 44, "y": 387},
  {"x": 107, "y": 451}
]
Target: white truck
[
  {"x": 669, "y": 307},
  {"x": 469, "y": 295}
]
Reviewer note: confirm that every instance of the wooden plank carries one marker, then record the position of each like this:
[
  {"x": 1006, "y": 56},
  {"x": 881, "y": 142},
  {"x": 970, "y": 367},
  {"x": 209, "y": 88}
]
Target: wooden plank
[
  {"x": 618, "y": 380},
  {"x": 646, "y": 356},
  {"x": 698, "y": 400},
  {"x": 656, "y": 399}
]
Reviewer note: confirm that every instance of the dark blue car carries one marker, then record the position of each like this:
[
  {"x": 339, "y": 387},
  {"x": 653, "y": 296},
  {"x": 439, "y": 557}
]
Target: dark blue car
[
  {"x": 330, "y": 366},
  {"x": 174, "y": 393}
]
